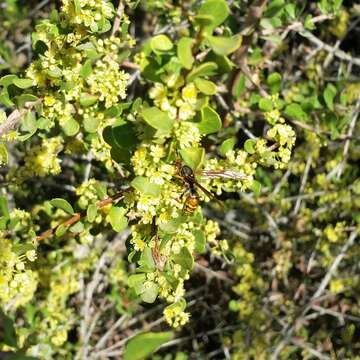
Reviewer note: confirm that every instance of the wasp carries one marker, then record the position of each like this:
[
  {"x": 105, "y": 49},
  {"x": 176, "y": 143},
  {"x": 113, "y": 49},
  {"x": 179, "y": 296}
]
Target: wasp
[{"x": 192, "y": 200}]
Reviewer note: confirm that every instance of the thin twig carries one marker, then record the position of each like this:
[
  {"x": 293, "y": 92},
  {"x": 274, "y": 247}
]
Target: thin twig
[
  {"x": 311, "y": 350},
  {"x": 117, "y": 21},
  {"x": 349, "y": 134},
  {"x": 15, "y": 117},
  {"x": 337, "y": 53},
  {"x": 106, "y": 336},
  {"x": 331, "y": 272},
  {"x": 316, "y": 296},
  {"x": 77, "y": 216},
  {"x": 302, "y": 185}
]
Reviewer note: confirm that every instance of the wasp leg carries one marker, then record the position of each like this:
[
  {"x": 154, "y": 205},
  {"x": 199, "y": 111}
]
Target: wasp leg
[{"x": 184, "y": 192}]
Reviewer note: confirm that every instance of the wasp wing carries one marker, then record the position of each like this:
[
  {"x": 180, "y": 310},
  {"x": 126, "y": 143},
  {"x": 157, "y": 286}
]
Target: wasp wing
[
  {"x": 223, "y": 174},
  {"x": 209, "y": 194}
]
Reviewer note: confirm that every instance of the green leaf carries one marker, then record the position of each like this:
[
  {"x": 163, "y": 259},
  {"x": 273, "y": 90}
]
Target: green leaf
[
  {"x": 55, "y": 72},
  {"x": 136, "y": 282},
  {"x": 217, "y": 10},
  {"x": 101, "y": 190},
  {"x": 104, "y": 25},
  {"x": 309, "y": 23},
  {"x": 77, "y": 6},
  {"x": 20, "y": 249},
  {"x": 329, "y": 95},
  {"x": 205, "y": 86},
  {"x": 5, "y": 99},
  {"x": 222, "y": 45},
  {"x": 88, "y": 99},
  {"x": 61, "y": 230},
  {"x": 348, "y": 334},
  {"x": 146, "y": 261},
  {"x": 193, "y": 157},
  {"x": 265, "y": 104},
  {"x": 274, "y": 7},
  {"x": 7, "y": 80},
  {"x": 184, "y": 258},
  {"x": 77, "y": 228},
  {"x": 23, "y": 83},
  {"x": 4, "y": 157},
  {"x": 91, "y": 212},
  {"x": 295, "y": 111},
  {"x": 4, "y": 208},
  {"x": 124, "y": 135},
  {"x": 71, "y": 127},
  {"x": 29, "y": 124},
  {"x": 149, "y": 292},
  {"x": 141, "y": 346},
  {"x": 210, "y": 121},
  {"x": 63, "y": 205},
  {"x": 356, "y": 217},
  {"x": 7, "y": 330},
  {"x": 172, "y": 226},
  {"x": 200, "y": 241},
  {"x": 91, "y": 124},
  {"x": 118, "y": 219},
  {"x": 204, "y": 21},
  {"x": 239, "y": 85},
  {"x": 136, "y": 105},
  {"x": 145, "y": 187},
  {"x": 274, "y": 82},
  {"x": 249, "y": 146},
  {"x": 256, "y": 188},
  {"x": 86, "y": 69},
  {"x": 227, "y": 145},
  {"x": 291, "y": 10},
  {"x": 205, "y": 69},
  {"x": 3, "y": 222},
  {"x": 161, "y": 43},
  {"x": 158, "y": 119},
  {"x": 20, "y": 357},
  {"x": 24, "y": 98},
  {"x": 184, "y": 52},
  {"x": 90, "y": 52}
]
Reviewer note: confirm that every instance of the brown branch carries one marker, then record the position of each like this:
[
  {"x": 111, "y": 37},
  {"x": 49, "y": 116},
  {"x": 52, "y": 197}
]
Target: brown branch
[
  {"x": 252, "y": 19},
  {"x": 117, "y": 21},
  {"x": 14, "y": 118},
  {"x": 76, "y": 217},
  {"x": 130, "y": 65}
]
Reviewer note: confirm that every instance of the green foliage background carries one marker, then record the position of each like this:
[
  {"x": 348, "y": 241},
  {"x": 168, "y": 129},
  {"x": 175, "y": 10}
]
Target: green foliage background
[{"x": 99, "y": 100}]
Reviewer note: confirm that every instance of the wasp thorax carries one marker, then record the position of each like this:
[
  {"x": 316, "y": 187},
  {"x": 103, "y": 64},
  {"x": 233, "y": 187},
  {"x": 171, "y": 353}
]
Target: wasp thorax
[{"x": 186, "y": 172}]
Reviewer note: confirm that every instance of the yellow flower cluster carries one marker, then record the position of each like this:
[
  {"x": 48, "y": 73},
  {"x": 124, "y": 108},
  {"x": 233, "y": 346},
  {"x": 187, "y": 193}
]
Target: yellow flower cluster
[
  {"x": 107, "y": 81},
  {"x": 87, "y": 12},
  {"x": 41, "y": 161},
  {"x": 179, "y": 101},
  {"x": 187, "y": 134},
  {"x": 60, "y": 318},
  {"x": 175, "y": 315},
  {"x": 148, "y": 161},
  {"x": 88, "y": 193},
  {"x": 285, "y": 136},
  {"x": 17, "y": 282},
  {"x": 78, "y": 72},
  {"x": 241, "y": 176},
  {"x": 249, "y": 283}
]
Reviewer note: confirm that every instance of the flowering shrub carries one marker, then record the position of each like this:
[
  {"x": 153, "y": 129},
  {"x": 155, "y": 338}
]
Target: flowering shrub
[{"x": 133, "y": 153}]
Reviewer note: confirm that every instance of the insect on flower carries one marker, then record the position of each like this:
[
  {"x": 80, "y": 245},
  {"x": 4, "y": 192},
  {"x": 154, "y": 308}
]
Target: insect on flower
[{"x": 192, "y": 200}]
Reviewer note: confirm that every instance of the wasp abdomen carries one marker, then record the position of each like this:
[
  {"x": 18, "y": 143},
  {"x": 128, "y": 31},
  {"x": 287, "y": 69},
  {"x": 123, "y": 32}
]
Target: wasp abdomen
[{"x": 191, "y": 203}]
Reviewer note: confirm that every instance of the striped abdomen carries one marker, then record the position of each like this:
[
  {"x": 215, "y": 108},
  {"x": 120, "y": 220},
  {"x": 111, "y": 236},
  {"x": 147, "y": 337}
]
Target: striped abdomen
[{"x": 191, "y": 203}]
